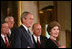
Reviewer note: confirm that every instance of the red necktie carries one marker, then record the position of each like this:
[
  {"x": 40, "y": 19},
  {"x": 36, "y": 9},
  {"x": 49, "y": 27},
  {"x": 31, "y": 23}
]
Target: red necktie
[
  {"x": 6, "y": 42},
  {"x": 38, "y": 43}
]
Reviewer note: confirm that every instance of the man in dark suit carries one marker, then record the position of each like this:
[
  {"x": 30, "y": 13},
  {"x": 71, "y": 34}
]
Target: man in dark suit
[
  {"x": 4, "y": 37},
  {"x": 10, "y": 21},
  {"x": 39, "y": 41},
  {"x": 21, "y": 38}
]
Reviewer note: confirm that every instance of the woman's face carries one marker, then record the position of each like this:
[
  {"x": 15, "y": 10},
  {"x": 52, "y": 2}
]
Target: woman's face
[{"x": 54, "y": 31}]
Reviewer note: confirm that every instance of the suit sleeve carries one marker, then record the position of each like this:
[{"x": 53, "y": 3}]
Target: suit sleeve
[{"x": 16, "y": 39}]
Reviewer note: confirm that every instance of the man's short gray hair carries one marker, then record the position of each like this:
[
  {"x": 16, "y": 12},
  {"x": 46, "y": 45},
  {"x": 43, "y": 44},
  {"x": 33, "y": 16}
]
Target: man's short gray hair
[
  {"x": 7, "y": 18},
  {"x": 24, "y": 15}
]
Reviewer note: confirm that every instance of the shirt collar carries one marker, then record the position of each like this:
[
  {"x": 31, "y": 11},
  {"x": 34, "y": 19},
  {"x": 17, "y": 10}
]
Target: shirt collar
[
  {"x": 36, "y": 38},
  {"x": 3, "y": 35},
  {"x": 10, "y": 31},
  {"x": 25, "y": 27}
]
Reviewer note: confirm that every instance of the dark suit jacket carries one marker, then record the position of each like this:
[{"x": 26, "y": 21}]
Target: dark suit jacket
[
  {"x": 3, "y": 45},
  {"x": 51, "y": 44},
  {"x": 43, "y": 41},
  {"x": 21, "y": 38},
  {"x": 12, "y": 34}
]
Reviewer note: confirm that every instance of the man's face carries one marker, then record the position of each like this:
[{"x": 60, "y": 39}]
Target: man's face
[
  {"x": 54, "y": 31},
  {"x": 29, "y": 20},
  {"x": 11, "y": 23},
  {"x": 37, "y": 29},
  {"x": 4, "y": 28}
]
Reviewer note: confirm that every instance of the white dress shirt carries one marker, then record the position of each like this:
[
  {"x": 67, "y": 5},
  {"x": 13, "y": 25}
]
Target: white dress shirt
[
  {"x": 9, "y": 33},
  {"x": 25, "y": 27},
  {"x": 35, "y": 37},
  {"x": 3, "y": 37}
]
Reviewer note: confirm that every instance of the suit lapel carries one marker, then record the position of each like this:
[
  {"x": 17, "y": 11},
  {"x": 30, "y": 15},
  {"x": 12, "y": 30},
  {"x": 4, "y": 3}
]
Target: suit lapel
[
  {"x": 26, "y": 35},
  {"x": 34, "y": 42},
  {"x": 42, "y": 42},
  {"x": 3, "y": 45}
]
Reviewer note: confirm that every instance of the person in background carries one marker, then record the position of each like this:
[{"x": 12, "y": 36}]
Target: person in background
[
  {"x": 22, "y": 37},
  {"x": 39, "y": 40},
  {"x": 10, "y": 21},
  {"x": 4, "y": 37},
  {"x": 54, "y": 29}
]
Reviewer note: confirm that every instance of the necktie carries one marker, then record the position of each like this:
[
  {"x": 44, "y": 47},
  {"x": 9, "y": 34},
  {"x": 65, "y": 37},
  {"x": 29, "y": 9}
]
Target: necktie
[
  {"x": 6, "y": 42},
  {"x": 30, "y": 35},
  {"x": 38, "y": 43}
]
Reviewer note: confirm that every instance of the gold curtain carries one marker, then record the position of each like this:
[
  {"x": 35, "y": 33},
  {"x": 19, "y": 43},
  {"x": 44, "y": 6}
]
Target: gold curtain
[{"x": 19, "y": 13}]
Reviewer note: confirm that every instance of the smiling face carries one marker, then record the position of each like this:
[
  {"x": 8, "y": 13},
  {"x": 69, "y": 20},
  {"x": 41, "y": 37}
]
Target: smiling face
[
  {"x": 5, "y": 28},
  {"x": 54, "y": 31},
  {"x": 28, "y": 21}
]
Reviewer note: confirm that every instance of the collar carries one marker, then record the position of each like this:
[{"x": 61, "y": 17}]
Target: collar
[
  {"x": 25, "y": 27},
  {"x": 36, "y": 38},
  {"x": 2, "y": 35},
  {"x": 10, "y": 31}
]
